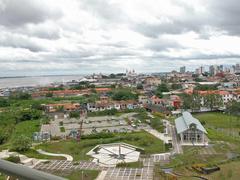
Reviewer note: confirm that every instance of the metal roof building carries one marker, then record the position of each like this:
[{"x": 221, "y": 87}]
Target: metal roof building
[{"x": 183, "y": 123}]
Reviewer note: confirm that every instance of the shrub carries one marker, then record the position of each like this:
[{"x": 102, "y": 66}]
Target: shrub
[
  {"x": 14, "y": 159},
  {"x": 21, "y": 143}
]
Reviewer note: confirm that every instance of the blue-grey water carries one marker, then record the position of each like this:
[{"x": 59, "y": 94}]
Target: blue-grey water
[{"x": 35, "y": 80}]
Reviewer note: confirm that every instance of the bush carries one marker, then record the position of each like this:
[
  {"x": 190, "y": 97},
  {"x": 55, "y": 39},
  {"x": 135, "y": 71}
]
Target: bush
[
  {"x": 124, "y": 95},
  {"x": 74, "y": 114},
  {"x": 14, "y": 159},
  {"x": 4, "y": 102},
  {"x": 21, "y": 143}
]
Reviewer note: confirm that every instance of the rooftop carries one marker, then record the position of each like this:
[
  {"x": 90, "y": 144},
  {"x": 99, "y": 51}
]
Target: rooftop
[{"x": 183, "y": 123}]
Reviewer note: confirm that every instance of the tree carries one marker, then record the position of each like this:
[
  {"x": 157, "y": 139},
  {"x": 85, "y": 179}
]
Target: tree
[
  {"x": 192, "y": 102},
  {"x": 4, "y": 102},
  {"x": 158, "y": 94},
  {"x": 123, "y": 95},
  {"x": 139, "y": 86},
  {"x": 49, "y": 94},
  {"x": 234, "y": 108},
  {"x": 213, "y": 100},
  {"x": 74, "y": 114},
  {"x": 196, "y": 100},
  {"x": 163, "y": 88},
  {"x": 22, "y": 143},
  {"x": 186, "y": 101},
  {"x": 204, "y": 87},
  {"x": 160, "y": 89},
  {"x": 20, "y": 96},
  {"x": 175, "y": 86}
]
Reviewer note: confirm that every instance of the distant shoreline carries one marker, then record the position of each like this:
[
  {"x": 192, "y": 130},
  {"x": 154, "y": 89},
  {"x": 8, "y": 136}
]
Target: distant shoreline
[{"x": 6, "y": 77}]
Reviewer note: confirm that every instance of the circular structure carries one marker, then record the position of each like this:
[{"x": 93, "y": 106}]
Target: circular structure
[{"x": 110, "y": 155}]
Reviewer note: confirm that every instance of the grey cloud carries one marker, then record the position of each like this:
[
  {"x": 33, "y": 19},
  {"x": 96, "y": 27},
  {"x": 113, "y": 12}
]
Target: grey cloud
[
  {"x": 15, "y": 13},
  {"x": 107, "y": 10},
  {"x": 19, "y": 41},
  {"x": 220, "y": 15},
  {"x": 162, "y": 44}
]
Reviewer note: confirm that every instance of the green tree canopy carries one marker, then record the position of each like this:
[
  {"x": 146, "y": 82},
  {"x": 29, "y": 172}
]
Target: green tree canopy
[
  {"x": 123, "y": 95},
  {"x": 21, "y": 143}
]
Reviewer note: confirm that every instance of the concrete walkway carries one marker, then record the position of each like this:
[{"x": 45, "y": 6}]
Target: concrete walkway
[
  {"x": 158, "y": 135},
  {"x": 101, "y": 175},
  {"x": 68, "y": 157},
  {"x": 177, "y": 148}
]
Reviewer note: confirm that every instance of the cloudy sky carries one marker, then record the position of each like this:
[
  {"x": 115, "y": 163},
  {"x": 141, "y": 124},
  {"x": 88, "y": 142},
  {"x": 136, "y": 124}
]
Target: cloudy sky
[{"x": 84, "y": 36}]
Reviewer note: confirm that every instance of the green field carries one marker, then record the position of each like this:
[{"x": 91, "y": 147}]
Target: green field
[
  {"x": 221, "y": 127},
  {"x": 79, "y": 149},
  {"x": 219, "y": 120},
  {"x": 224, "y": 145}
]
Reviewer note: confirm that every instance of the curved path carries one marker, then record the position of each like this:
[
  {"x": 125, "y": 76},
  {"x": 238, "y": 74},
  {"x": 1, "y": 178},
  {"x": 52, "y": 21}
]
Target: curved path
[{"x": 68, "y": 157}]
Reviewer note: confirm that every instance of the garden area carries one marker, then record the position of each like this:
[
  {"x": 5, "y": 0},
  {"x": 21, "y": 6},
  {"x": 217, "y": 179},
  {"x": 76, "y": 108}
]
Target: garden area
[{"x": 78, "y": 150}]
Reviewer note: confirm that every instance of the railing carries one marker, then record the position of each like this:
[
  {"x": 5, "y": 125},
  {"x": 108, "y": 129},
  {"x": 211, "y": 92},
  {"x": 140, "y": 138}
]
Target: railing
[{"x": 25, "y": 173}]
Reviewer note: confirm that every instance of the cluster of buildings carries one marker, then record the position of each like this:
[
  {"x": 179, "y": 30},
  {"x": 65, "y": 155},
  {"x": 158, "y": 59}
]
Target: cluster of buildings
[{"x": 214, "y": 69}]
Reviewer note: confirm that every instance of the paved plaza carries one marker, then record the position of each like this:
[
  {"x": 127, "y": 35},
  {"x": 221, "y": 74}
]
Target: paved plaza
[{"x": 65, "y": 167}]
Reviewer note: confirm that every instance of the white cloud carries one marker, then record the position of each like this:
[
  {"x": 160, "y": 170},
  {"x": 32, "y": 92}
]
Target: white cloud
[{"x": 112, "y": 35}]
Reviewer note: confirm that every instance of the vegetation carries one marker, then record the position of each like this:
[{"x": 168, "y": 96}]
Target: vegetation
[
  {"x": 4, "y": 102},
  {"x": 160, "y": 89},
  {"x": 14, "y": 159},
  {"x": 21, "y": 143},
  {"x": 20, "y": 96},
  {"x": 74, "y": 114},
  {"x": 62, "y": 129},
  {"x": 123, "y": 94},
  {"x": 200, "y": 87},
  {"x": 233, "y": 108},
  {"x": 138, "y": 164},
  {"x": 157, "y": 124},
  {"x": 192, "y": 102},
  {"x": 175, "y": 86},
  {"x": 139, "y": 86},
  {"x": 78, "y": 150},
  {"x": 109, "y": 112},
  {"x": 212, "y": 101}
]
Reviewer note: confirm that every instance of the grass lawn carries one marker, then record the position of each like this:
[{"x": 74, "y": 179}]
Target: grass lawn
[
  {"x": 228, "y": 171},
  {"x": 221, "y": 127},
  {"x": 219, "y": 120},
  {"x": 34, "y": 154},
  {"x": 79, "y": 149},
  {"x": 2, "y": 177},
  {"x": 26, "y": 128}
]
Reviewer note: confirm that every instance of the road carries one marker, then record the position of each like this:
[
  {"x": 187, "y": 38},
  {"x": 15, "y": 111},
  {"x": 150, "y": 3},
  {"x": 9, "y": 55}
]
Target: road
[{"x": 177, "y": 148}]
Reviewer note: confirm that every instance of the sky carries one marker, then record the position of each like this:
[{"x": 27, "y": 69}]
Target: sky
[{"x": 40, "y": 37}]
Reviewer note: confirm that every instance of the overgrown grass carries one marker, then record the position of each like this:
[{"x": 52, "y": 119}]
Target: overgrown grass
[
  {"x": 218, "y": 120},
  {"x": 26, "y": 128}
]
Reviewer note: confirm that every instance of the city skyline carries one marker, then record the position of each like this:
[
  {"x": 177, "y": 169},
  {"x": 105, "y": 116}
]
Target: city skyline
[{"x": 92, "y": 36}]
